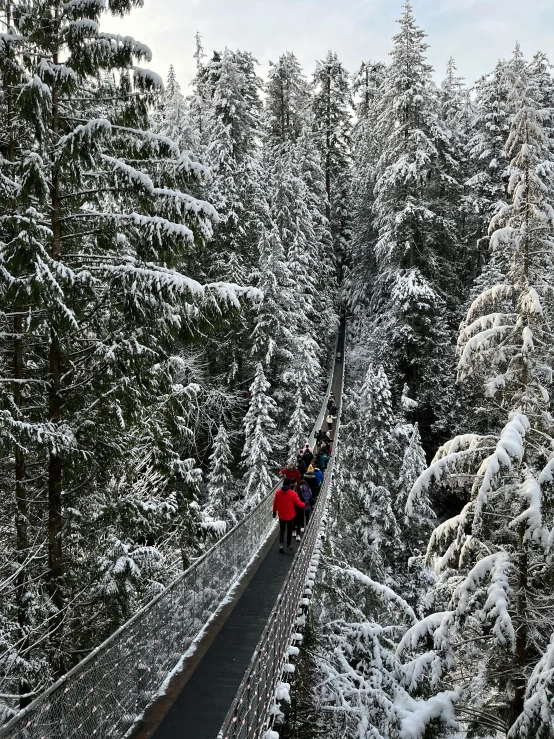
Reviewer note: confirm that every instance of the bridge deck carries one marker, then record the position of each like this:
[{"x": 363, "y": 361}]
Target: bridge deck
[{"x": 200, "y": 708}]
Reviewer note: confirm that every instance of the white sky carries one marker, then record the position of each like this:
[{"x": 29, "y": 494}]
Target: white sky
[{"x": 476, "y": 32}]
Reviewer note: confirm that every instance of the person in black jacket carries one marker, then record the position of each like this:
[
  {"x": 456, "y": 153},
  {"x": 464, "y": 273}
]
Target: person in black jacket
[{"x": 301, "y": 466}]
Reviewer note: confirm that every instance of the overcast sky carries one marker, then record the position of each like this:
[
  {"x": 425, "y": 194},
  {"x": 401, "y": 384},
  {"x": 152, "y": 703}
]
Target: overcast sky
[{"x": 476, "y": 32}]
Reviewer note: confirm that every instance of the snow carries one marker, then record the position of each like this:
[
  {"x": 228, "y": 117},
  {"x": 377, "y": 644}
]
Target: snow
[
  {"x": 148, "y": 76},
  {"x": 419, "y": 713},
  {"x": 382, "y": 590},
  {"x": 508, "y": 449},
  {"x": 421, "y": 630}
]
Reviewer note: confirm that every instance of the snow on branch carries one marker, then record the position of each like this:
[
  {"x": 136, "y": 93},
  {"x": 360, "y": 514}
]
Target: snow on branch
[
  {"x": 482, "y": 341},
  {"x": 435, "y": 473},
  {"x": 419, "y": 713},
  {"x": 421, "y": 630},
  {"x": 531, "y": 517},
  {"x": 508, "y": 449},
  {"x": 547, "y": 475},
  {"x": 382, "y": 590},
  {"x": 537, "y": 709},
  {"x": 483, "y": 323},
  {"x": 491, "y": 297},
  {"x": 498, "y": 567},
  {"x": 147, "y": 78},
  {"x": 464, "y": 442}
]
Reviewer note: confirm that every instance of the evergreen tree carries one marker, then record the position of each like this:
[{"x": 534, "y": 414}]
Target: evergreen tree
[
  {"x": 487, "y": 154},
  {"x": 488, "y": 558},
  {"x": 417, "y": 249},
  {"x": 259, "y": 431},
  {"x": 220, "y": 477},
  {"x": 288, "y": 100},
  {"x": 92, "y": 270},
  {"x": 332, "y": 107},
  {"x": 297, "y": 428}
]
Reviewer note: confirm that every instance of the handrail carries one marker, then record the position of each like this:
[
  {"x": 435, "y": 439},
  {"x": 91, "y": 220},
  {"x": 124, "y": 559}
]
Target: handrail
[
  {"x": 249, "y": 715},
  {"x": 110, "y": 688}
]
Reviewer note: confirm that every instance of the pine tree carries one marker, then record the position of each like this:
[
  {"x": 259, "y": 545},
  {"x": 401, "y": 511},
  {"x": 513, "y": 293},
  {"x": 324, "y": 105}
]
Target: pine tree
[
  {"x": 272, "y": 336},
  {"x": 259, "y": 431},
  {"x": 487, "y": 154},
  {"x": 297, "y": 427},
  {"x": 103, "y": 228},
  {"x": 332, "y": 107},
  {"x": 288, "y": 100},
  {"x": 220, "y": 477},
  {"x": 361, "y": 267},
  {"x": 417, "y": 249},
  {"x": 488, "y": 558}
]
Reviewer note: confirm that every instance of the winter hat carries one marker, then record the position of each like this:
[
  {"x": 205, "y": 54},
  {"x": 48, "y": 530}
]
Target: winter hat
[{"x": 285, "y": 486}]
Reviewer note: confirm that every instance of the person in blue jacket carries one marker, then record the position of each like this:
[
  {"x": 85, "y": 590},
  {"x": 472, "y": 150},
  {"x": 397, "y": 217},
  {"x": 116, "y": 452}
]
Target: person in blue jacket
[{"x": 318, "y": 475}]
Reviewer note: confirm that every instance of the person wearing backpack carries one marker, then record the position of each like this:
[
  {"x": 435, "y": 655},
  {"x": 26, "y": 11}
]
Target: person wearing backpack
[
  {"x": 311, "y": 480},
  {"x": 303, "y": 514},
  {"x": 285, "y": 503},
  {"x": 307, "y": 455}
]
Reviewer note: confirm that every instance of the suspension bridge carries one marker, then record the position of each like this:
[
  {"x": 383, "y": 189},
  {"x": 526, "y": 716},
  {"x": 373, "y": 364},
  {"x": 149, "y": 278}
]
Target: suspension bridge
[{"x": 202, "y": 660}]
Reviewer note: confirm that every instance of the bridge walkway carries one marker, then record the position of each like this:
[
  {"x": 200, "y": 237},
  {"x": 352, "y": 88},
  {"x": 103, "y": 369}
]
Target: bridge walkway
[{"x": 202, "y": 702}]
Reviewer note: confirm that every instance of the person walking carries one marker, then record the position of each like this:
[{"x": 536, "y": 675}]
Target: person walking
[
  {"x": 318, "y": 476},
  {"x": 301, "y": 466},
  {"x": 291, "y": 474},
  {"x": 285, "y": 503},
  {"x": 303, "y": 514},
  {"x": 322, "y": 457},
  {"x": 307, "y": 454},
  {"x": 331, "y": 417},
  {"x": 311, "y": 480}
]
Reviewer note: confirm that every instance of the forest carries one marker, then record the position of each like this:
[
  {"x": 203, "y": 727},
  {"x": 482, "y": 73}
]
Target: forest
[{"x": 172, "y": 266}]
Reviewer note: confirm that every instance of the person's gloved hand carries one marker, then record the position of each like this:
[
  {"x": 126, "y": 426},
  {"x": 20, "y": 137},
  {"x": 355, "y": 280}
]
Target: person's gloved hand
[{"x": 274, "y": 514}]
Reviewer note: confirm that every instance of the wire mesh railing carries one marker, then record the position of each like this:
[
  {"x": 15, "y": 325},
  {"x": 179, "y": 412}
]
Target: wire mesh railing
[
  {"x": 249, "y": 716},
  {"x": 107, "y": 692}
]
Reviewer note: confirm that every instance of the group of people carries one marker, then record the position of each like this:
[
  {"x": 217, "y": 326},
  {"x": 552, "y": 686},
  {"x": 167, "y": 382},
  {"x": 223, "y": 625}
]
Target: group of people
[{"x": 297, "y": 496}]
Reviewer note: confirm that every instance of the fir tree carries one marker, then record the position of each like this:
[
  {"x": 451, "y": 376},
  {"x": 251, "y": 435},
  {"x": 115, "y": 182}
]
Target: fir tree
[
  {"x": 259, "y": 430},
  {"x": 220, "y": 477},
  {"x": 332, "y": 107},
  {"x": 488, "y": 557}
]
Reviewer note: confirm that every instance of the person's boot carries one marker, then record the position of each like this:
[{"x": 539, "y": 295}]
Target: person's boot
[{"x": 281, "y": 548}]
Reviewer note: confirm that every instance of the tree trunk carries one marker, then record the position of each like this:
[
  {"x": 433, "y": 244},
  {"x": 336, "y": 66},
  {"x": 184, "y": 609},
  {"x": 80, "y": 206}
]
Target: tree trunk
[
  {"x": 55, "y": 464},
  {"x": 521, "y": 632},
  {"x": 328, "y": 148}
]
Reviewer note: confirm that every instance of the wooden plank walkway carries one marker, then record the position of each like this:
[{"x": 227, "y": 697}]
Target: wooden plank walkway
[{"x": 200, "y": 708}]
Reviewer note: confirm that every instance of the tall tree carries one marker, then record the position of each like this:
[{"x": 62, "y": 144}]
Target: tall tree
[
  {"x": 259, "y": 430},
  {"x": 493, "y": 558},
  {"x": 417, "y": 251},
  {"x": 332, "y": 106}
]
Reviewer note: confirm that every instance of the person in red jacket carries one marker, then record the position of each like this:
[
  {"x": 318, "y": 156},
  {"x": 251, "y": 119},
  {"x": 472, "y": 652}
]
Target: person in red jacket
[
  {"x": 291, "y": 474},
  {"x": 285, "y": 503}
]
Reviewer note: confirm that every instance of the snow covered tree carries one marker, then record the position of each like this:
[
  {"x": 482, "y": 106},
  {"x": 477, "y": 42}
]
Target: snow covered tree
[
  {"x": 360, "y": 268},
  {"x": 288, "y": 100},
  {"x": 417, "y": 251},
  {"x": 490, "y": 633},
  {"x": 259, "y": 431},
  {"x": 486, "y": 149},
  {"x": 220, "y": 477},
  {"x": 95, "y": 300},
  {"x": 171, "y": 119},
  {"x": 272, "y": 334},
  {"x": 297, "y": 427},
  {"x": 332, "y": 108}
]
